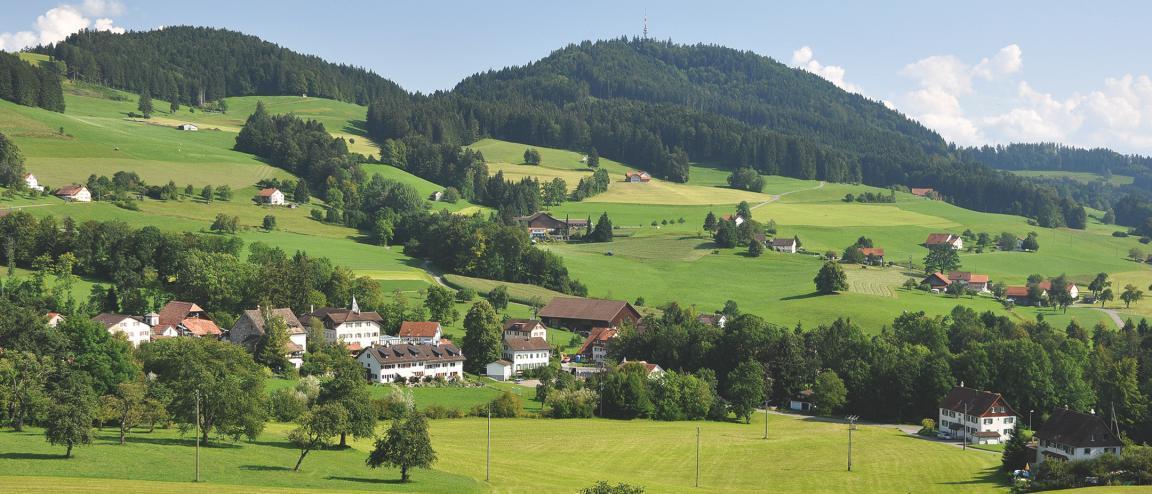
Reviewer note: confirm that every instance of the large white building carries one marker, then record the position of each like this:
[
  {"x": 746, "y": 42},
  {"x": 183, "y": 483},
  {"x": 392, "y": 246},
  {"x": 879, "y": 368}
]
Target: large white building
[
  {"x": 526, "y": 353},
  {"x": 1070, "y": 435},
  {"x": 406, "y": 362},
  {"x": 358, "y": 330},
  {"x": 133, "y": 329},
  {"x": 975, "y": 416}
]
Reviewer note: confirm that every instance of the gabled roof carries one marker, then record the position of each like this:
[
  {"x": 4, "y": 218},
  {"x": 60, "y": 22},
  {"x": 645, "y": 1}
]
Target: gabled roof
[
  {"x": 968, "y": 277},
  {"x": 1047, "y": 285},
  {"x": 70, "y": 190},
  {"x": 1016, "y": 291},
  {"x": 598, "y": 336},
  {"x": 976, "y": 402},
  {"x": 267, "y": 192},
  {"x": 587, "y": 309},
  {"x": 872, "y": 251},
  {"x": 1077, "y": 429},
  {"x": 783, "y": 242},
  {"x": 922, "y": 191},
  {"x": 523, "y": 325},
  {"x": 712, "y": 319},
  {"x": 642, "y": 174},
  {"x": 109, "y": 319},
  {"x": 289, "y": 317},
  {"x": 406, "y": 353},
  {"x": 175, "y": 311},
  {"x": 941, "y": 238},
  {"x": 520, "y": 344},
  {"x": 200, "y": 327},
  {"x": 412, "y": 329},
  {"x": 335, "y": 316},
  {"x": 937, "y": 279}
]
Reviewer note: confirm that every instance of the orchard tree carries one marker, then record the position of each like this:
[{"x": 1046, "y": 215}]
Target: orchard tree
[
  {"x": 406, "y": 445},
  {"x": 831, "y": 279},
  {"x": 346, "y": 387},
  {"x": 316, "y": 429},
  {"x": 129, "y": 406},
  {"x": 269, "y": 222},
  {"x": 11, "y": 165},
  {"x": 23, "y": 376},
  {"x": 208, "y": 194},
  {"x": 1106, "y": 296},
  {"x": 745, "y": 389},
  {"x": 941, "y": 259},
  {"x": 73, "y": 409},
  {"x": 441, "y": 305},
  {"x": 498, "y": 298},
  {"x": 482, "y": 338}
]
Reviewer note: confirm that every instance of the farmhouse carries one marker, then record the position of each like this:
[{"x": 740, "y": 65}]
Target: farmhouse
[
  {"x": 873, "y": 255},
  {"x": 31, "y": 182},
  {"x": 74, "y": 193},
  {"x": 526, "y": 353},
  {"x": 525, "y": 328},
  {"x": 500, "y": 370},
  {"x": 544, "y": 225},
  {"x": 1047, "y": 287},
  {"x": 250, "y": 328},
  {"x": 737, "y": 219},
  {"x": 936, "y": 281},
  {"x": 404, "y": 362},
  {"x": 357, "y": 330},
  {"x": 789, "y": 245},
  {"x": 133, "y": 329},
  {"x": 271, "y": 196},
  {"x": 975, "y": 416},
  {"x": 595, "y": 347},
  {"x": 1018, "y": 295},
  {"x": 926, "y": 192},
  {"x": 187, "y": 126},
  {"x": 1070, "y": 435},
  {"x": 718, "y": 320},
  {"x": 420, "y": 333},
  {"x": 948, "y": 239},
  {"x": 583, "y": 314},
  {"x": 178, "y": 318},
  {"x": 978, "y": 282},
  {"x": 637, "y": 177}
]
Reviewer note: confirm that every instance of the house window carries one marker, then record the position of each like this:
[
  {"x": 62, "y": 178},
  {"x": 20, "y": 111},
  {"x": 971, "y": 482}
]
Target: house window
[
  {"x": 1009, "y": 420},
  {"x": 987, "y": 421},
  {"x": 1087, "y": 451}
]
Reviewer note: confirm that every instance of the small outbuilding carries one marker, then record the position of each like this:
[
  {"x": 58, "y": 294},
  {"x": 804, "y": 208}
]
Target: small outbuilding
[
  {"x": 500, "y": 370},
  {"x": 802, "y": 402},
  {"x": 188, "y": 127}
]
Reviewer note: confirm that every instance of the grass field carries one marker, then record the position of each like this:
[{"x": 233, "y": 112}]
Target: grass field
[
  {"x": 1085, "y": 177},
  {"x": 531, "y": 455}
]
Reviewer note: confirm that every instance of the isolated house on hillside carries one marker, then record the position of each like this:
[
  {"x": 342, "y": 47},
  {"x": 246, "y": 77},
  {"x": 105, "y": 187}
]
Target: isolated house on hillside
[
  {"x": 1047, "y": 287},
  {"x": 976, "y": 416},
  {"x": 1017, "y": 295},
  {"x": 637, "y": 177},
  {"x": 420, "y": 333},
  {"x": 74, "y": 193},
  {"x": 188, "y": 127},
  {"x": 271, "y": 196},
  {"x": 872, "y": 255},
  {"x": 1070, "y": 435},
  {"x": 977, "y": 282},
  {"x": 31, "y": 182},
  {"x": 250, "y": 328},
  {"x": 133, "y": 329},
  {"x": 544, "y": 225},
  {"x": 925, "y": 192},
  {"x": 525, "y": 328},
  {"x": 718, "y": 320},
  {"x": 404, "y": 362},
  {"x": 788, "y": 245},
  {"x": 583, "y": 314},
  {"x": 948, "y": 239}
]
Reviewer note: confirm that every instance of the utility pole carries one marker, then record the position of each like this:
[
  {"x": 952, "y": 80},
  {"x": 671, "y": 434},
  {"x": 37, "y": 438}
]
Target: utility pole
[
  {"x": 697, "y": 456},
  {"x": 1030, "y": 420},
  {"x": 765, "y": 419},
  {"x": 197, "y": 435},
  {"x": 964, "y": 444},
  {"x": 851, "y": 427},
  {"x": 488, "y": 454}
]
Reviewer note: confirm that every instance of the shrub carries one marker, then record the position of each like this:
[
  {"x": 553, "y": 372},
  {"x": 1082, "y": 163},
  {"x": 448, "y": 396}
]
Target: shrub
[
  {"x": 571, "y": 403},
  {"x": 287, "y": 404},
  {"x": 507, "y": 405},
  {"x": 465, "y": 295}
]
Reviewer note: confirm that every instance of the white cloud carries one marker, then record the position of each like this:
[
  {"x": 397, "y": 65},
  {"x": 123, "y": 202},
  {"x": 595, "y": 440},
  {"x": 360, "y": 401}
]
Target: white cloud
[
  {"x": 1009, "y": 60},
  {"x": 59, "y": 22},
  {"x": 804, "y": 58}
]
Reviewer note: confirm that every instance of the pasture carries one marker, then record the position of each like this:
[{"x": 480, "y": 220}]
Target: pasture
[
  {"x": 1085, "y": 177},
  {"x": 530, "y": 455}
]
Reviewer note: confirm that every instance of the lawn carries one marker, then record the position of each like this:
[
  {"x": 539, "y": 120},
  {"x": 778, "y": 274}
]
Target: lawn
[
  {"x": 536, "y": 455},
  {"x": 1085, "y": 177}
]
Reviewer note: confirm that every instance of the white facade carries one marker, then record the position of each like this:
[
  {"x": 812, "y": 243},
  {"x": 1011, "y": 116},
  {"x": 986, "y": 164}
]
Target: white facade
[
  {"x": 406, "y": 368},
  {"x": 969, "y": 427},
  {"x": 1072, "y": 453},
  {"x": 188, "y": 126},
  {"x": 523, "y": 360},
  {"x": 366, "y": 333},
  {"x": 135, "y": 331},
  {"x": 31, "y": 182},
  {"x": 500, "y": 370},
  {"x": 300, "y": 340},
  {"x": 80, "y": 195}
]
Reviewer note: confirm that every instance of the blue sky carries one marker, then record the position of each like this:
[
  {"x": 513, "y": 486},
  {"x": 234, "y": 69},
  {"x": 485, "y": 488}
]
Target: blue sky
[{"x": 977, "y": 72}]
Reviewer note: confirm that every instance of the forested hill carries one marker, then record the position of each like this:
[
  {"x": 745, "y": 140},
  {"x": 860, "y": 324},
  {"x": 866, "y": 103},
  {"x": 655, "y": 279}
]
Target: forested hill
[{"x": 199, "y": 64}]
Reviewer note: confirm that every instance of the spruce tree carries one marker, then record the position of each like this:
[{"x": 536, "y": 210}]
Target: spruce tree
[
  {"x": 1015, "y": 451},
  {"x": 481, "y": 341},
  {"x": 145, "y": 104}
]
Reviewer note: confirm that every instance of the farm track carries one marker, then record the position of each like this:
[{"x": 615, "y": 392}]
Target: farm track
[{"x": 776, "y": 197}]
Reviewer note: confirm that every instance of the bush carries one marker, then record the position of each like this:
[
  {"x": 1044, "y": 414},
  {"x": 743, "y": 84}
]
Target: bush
[
  {"x": 1119, "y": 234},
  {"x": 571, "y": 403},
  {"x": 287, "y": 404},
  {"x": 465, "y": 295},
  {"x": 507, "y": 406},
  {"x": 396, "y": 405},
  {"x": 442, "y": 412}
]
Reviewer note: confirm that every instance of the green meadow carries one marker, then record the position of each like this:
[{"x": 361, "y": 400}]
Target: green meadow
[
  {"x": 1085, "y": 177},
  {"x": 802, "y": 455}
]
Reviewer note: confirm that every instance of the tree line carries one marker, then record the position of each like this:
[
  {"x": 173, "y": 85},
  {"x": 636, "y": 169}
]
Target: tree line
[{"x": 30, "y": 85}]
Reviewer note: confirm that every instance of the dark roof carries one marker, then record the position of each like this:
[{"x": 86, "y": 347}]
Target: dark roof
[
  {"x": 783, "y": 242},
  {"x": 1077, "y": 430},
  {"x": 257, "y": 318},
  {"x": 521, "y": 324},
  {"x": 405, "y": 353},
  {"x": 70, "y": 190},
  {"x": 586, "y": 309},
  {"x": 544, "y": 220},
  {"x": 336, "y": 316},
  {"x": 598, "y": 336},
  {"x": 978, "y": 402},
  {"x": 175, "y": 311},
  {"x": 412, "y": 329},
  {"x": 941, "y": 238},
  {"x": 109, "y": 319},
  {"x": 527, "y": 344}
]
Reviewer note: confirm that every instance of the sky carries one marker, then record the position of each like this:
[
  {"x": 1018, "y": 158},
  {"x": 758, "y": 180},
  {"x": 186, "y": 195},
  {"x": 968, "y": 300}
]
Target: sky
[{"x": 978, "y": 72}]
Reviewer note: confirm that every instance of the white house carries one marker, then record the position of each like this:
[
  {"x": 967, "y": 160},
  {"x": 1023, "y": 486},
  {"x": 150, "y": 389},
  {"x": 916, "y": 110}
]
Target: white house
[
  {"x": 394, "y": 363},
  {"x": 54, "y": 319},
  {"x": 718, "y": 320},
  {"x": 975, "y": 416},
  {"x": 271, "y": 196},
  {"x": 1072, "y": 290},
  {"x": 525, "y": 328},
  {"x": 133, "y": 329},
  {"x": 250, "y": 328},
  {"x": 31, "y": 182},
  {"x": 188, "y": 127},
  {"x": 500, "y": 370},
  {"x": 1070, "y": 435},
  {"x": 74, "y": 193},
  {"x": 787, "y": 245},
  {"x": 595, "y": 347},
  {"x": 420, "y": 333},
  {"x": 526, "y": 353},
  {"x": 358, "y": 330},
  {"x": 948, "y": 239}
]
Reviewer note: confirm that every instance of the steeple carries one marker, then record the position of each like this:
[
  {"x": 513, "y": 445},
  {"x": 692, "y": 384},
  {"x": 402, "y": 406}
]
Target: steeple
[{"x": 355, "y": 306}]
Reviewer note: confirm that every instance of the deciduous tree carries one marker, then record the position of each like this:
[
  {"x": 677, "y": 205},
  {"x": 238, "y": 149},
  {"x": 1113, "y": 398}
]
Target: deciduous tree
[
  {"x": 406, "y": 445},
  {"x": 482, "y": 342}
]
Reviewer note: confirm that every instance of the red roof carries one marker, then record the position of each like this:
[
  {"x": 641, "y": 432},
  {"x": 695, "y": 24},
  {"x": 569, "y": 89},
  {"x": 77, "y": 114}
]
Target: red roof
[
  {"x": 644, "y": 176},
  {"x": 968, "y": 277},
  {"x": 937, "y": 279},
  {"x": 1016, "y": 291},
  {"x": 872, "y": 251},
  {"x": 69, "y": 190},
  {"x": 200, "y": 327},
  {"x": 598, "y": 336},
  {"x": 268, "y": 192},
  {"x": 354, "y": 347},
  {"x": 410, "y": 329},
  {"x": 921, "y": 191},
  {"x": 176, "y": 311},
  {"x": 1047, "y": 286},
  {"x": 941, "y": 238}
]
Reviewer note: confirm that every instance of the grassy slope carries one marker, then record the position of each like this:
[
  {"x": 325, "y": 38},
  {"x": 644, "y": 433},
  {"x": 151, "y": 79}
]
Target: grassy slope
[
  {"x": 1078, "y": 176},
  {"x": 661, "y": 456}
]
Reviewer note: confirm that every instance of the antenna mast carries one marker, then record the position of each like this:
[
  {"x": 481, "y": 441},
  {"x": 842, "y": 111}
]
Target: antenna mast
[{"x": 645, "y": 25}]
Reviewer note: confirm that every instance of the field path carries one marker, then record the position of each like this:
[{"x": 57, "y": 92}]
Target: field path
[
  {"x": 776, "y": 197},
  {"x": 1115, "y": 317},
  {"x": 436, "y": 275}
]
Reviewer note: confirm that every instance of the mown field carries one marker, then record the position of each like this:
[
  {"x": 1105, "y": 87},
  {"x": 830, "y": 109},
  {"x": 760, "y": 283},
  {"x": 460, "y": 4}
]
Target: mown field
[
  {"x": 1077, "y": 176},
  {"x": 528, "y": 456}
]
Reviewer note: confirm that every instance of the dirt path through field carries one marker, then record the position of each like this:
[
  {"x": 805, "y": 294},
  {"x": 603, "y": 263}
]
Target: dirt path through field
[
  {"x": 1115, "y": 317},
  {"x": 776, "y": 197}
]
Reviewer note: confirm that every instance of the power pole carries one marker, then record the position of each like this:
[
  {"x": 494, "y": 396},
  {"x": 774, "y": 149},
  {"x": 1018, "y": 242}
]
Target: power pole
[
  {"x": 851, "y": 427},
  {"x": 697, "y": 456},
  {"x": 197, "y": 435},
  {"x": 964, "y": 444},
  {"x": 765, "y": 420},
  {"x": 488, "y": 454}
]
